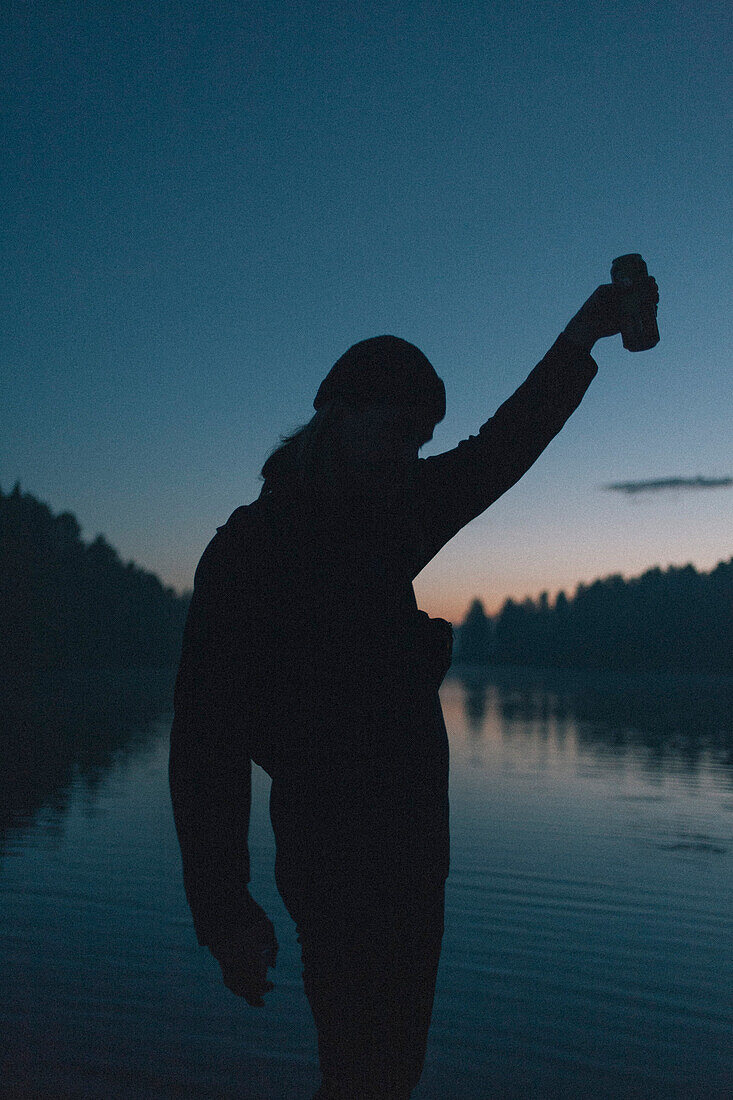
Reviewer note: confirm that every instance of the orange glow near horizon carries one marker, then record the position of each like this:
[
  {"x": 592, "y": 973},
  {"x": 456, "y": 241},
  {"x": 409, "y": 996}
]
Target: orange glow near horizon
[{"x": 453, "y": 603}]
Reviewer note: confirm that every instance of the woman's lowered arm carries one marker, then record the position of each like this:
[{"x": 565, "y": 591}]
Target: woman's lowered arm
[{"x": 210, "y": 785}]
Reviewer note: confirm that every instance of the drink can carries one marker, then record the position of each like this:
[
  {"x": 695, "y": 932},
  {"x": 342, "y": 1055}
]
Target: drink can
[{"x": 629, "y": 275}]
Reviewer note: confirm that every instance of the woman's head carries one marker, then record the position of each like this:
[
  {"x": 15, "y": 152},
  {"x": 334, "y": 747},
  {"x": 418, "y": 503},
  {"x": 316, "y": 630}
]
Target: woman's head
[{"x": 374, "y": 409}]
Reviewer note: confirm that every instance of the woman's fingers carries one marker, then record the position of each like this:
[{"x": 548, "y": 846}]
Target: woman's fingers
[
  {"x": 250, "y": 986},
  {"x": 246, "y": 974}
]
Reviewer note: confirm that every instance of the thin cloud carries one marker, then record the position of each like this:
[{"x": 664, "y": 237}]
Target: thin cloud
[{"x": 667, "y": 483}]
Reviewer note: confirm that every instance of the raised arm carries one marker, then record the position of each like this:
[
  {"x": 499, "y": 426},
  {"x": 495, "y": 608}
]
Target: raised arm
[{"x": 458, "y": 485}]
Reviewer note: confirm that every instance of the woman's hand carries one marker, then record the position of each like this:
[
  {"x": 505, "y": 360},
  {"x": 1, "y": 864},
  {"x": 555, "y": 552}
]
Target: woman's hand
[
  {"x": 601, "y": 315},
  {"x": 244, "y": 961},
  {"x": 434, "y": 648}
]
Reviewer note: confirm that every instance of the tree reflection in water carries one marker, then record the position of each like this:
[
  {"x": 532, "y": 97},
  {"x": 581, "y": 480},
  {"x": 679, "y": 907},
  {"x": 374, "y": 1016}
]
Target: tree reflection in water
[
  {"x": 670, "y": 719},
  {"x": 61, "y": 725}
]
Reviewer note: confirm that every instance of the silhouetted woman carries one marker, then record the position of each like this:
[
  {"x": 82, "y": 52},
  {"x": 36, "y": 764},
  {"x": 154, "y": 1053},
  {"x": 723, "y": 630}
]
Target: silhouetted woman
[{"x": 305, "y": 651}]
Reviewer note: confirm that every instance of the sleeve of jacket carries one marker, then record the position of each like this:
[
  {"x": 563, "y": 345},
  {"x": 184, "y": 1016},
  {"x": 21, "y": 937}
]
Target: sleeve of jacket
[
  {"x": 458, "y": 485},
  {"x": 209, "y": 762}
]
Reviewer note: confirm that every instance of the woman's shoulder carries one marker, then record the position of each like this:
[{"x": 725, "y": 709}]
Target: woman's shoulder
[
  {"x": 248, "y": 526},
  {"x": 258, "y": 537},
  {"x": 234, "y": 544}
]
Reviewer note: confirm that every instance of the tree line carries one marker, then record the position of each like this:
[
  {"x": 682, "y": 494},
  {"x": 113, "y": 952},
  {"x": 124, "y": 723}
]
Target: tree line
[
  {"x": 66, "y": 603},
  {"x": 675, "y": 619}
]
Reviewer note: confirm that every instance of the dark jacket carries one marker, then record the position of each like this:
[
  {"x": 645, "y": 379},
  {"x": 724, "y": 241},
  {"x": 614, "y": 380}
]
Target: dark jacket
[{"x": 305, "y": 651}]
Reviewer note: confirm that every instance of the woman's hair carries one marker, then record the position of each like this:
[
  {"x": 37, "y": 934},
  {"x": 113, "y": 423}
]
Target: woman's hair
[
  {"x": 306, "y": 455},
  {"x": 308, "y": 460}
]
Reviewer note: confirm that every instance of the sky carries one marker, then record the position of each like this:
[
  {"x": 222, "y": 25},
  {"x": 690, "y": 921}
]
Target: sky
[{"x": 206, "y": 204}]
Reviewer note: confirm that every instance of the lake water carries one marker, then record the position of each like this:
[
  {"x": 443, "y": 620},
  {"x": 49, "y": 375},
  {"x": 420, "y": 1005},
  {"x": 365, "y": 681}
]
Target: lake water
[{"x": 589, "y": 926}]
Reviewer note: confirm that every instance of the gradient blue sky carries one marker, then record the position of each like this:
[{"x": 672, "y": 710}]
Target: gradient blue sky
[{"x": 206, "y": 204}]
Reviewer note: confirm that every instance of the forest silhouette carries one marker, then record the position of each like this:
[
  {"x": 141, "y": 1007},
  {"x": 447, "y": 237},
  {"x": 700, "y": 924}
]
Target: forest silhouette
[
  {"x": 664, "y": 620},
  {"x": 69, "y": 604}
]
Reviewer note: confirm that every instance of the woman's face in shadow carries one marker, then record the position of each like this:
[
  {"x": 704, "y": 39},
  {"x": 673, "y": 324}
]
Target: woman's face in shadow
[{"x": 376, "y": 443}]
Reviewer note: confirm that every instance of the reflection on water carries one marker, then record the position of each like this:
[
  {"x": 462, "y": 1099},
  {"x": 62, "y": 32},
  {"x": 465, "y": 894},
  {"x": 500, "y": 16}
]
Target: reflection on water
[
  {"x": 64, "y": 724},
  {"x": 587, "y": 948},
  {"x": 669, "y": 719}
]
